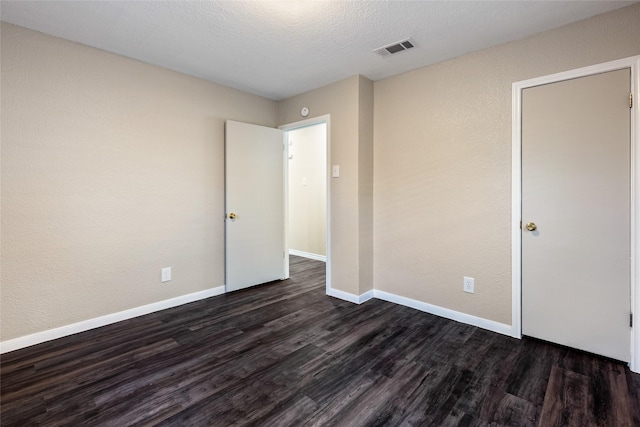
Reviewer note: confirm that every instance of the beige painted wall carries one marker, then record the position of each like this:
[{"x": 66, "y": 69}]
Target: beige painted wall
[
  {"x": 442, "y": 151},
  {"x": 345, "y": 101},
  {"x": 308, "y": 189},
  {"x": 111, "y": 170}
]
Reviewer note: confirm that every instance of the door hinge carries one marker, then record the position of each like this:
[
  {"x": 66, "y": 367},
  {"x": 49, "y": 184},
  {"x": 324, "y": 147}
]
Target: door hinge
[
  {"x": 630, "y": 99},
  {"x": 631, "y": 320},
  {"x": 520, "y": 225}
]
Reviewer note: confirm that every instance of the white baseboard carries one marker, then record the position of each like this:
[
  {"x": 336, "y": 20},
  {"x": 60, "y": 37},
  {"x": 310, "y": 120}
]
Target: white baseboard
[
  {"x": 309, "y": 255},
  {"x": 468, "y": 319},
  {"x": 480, "y": 322},
  {"x": 85, "y": 325},
  {"x": 366, "y": 296},
  {"x": 52, "y": 334},
  {"x": 343, "y": 295},
  {"x": 356, "y": 299}
]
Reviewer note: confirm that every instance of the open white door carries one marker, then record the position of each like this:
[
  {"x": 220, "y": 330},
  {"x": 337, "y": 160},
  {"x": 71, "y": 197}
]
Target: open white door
[{"x": 254, "y": 203}]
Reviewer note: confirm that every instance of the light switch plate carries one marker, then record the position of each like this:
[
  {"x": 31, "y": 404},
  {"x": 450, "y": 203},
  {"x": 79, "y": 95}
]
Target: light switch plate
[{"x": 336, "y": 171}]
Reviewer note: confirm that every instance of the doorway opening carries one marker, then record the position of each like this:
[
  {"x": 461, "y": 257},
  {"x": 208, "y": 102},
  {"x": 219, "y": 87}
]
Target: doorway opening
[{"x": 307, "y": 224}]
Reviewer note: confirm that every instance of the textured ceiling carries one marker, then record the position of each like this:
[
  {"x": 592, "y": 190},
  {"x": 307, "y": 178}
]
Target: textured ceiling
[{"x": 282, "y": 48}]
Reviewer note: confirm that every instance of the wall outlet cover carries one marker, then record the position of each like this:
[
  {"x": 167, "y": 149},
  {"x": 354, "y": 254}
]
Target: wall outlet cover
[{"x": 469, "y": 285}]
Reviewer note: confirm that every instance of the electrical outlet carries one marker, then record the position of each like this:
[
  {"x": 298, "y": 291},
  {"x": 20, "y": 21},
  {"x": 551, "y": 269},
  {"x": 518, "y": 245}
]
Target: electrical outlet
[
  {"x": 469, "y": 285},
  {"x": 165, "y": 275}
]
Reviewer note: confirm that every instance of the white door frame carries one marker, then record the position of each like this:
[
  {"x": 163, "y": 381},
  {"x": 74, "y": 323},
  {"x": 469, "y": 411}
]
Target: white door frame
[
  {"x": 325, "y": 119},
  {"x": 516, "y": 191}
]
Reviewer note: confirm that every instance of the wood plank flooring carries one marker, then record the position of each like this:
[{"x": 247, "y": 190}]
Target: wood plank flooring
[{"x": 285, "y": 354}]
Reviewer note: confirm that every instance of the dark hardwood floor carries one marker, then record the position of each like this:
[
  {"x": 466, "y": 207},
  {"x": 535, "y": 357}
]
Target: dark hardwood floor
[{"x": 285, "y": 354}]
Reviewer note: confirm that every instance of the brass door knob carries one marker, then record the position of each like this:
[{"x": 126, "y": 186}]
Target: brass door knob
[
  {"x": 531, "y": 226},
  {"x": 232, "y": 215}
]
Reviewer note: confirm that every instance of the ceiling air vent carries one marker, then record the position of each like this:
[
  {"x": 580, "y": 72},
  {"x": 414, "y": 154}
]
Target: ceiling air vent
[{"x": 394, "y": 48}]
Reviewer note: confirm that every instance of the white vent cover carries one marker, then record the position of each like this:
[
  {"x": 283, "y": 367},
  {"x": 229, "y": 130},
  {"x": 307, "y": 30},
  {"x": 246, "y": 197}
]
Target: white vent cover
[{"x": 394, "y": 48}]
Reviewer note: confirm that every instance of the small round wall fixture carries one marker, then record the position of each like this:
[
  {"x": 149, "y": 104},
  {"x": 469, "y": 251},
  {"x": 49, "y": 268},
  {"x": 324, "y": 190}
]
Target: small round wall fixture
[{"x": 304, "y": 112}]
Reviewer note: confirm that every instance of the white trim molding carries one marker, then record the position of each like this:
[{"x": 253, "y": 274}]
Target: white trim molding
[
  {"x": 85, "y": 325},
  {"x": 468, "y": 319},
  {"x": 346, "y": 296},
  {"x": 309, "y": 255},
  {"x": 516, "y": 195}
]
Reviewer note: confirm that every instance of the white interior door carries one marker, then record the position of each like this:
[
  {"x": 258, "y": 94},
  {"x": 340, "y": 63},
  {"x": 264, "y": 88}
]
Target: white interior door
[
  {"x": 254, "y": 203},
  {"x": 576, "y": 190}
]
